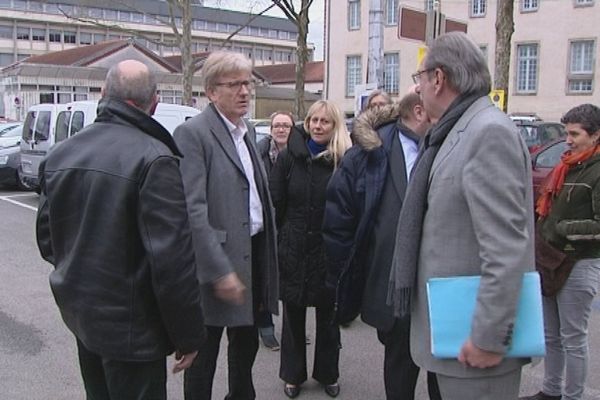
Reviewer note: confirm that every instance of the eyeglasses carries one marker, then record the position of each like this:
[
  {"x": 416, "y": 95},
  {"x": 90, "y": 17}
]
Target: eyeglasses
[
  {"x": 237, "y": 85},
  {"x": 416, "y": 77},
  {"x": 281, "y": 126}
]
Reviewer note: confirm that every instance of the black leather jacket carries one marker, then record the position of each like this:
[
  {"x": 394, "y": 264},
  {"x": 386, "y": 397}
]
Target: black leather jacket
[{"x": 113, "y": 221}]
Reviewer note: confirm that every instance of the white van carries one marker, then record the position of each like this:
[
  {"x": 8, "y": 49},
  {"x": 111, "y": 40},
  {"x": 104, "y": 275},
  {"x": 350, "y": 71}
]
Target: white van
[
  {"x": 37, "y": 138},
  {"x": 79, "y": 114},
  {"x": 72, "y": 117}
]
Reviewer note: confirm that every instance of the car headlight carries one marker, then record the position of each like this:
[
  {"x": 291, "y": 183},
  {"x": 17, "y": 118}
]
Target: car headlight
[{"x": 3, "y": 160}]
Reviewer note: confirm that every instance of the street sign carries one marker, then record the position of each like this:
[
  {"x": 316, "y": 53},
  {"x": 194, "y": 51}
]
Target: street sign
[
  {"x": 426, "y": 26},
  {"x": 412, "y": 24}
]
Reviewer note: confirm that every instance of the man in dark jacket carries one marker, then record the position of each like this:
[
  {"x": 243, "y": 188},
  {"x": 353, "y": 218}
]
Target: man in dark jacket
[
  {"x": 113, "y": 222},
  {"x": 364, "y": 199}
]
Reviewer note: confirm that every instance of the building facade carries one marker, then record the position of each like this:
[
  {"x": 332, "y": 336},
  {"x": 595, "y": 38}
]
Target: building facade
[
  {"x": 33, "y": 27},
  {"x": 553, "y": 54}
]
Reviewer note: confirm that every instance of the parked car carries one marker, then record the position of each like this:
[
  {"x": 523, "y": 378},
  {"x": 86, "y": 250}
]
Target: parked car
[
  {"x": 538, "y": 133},
  {"x": 544, "y": 159},
  {"x": 10, "y": 156},
  {"x": 262, "y": 127}
]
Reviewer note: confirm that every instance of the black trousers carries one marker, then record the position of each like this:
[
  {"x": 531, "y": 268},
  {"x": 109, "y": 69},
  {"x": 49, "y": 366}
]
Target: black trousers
[
  {"x": 106, "y": 379},
  {"x": 293, "y": 346},
  {"x": 400, "y": 372},
  {"x": 241, "y": 353}
]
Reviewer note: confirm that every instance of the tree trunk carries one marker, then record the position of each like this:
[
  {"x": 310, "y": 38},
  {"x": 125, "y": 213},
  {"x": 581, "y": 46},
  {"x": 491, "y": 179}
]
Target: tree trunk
[
  {"x": 301, "y": 60},
  {"x": 187, "y": 62},
  {"x": 504, "y": 30}
]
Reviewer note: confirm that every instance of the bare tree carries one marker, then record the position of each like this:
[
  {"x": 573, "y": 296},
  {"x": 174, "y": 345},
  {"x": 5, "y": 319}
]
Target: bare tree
[
  {"x": 504, "y": 29},
  {"x": 182, "y": 33},
  {"x": 299, "y": 16}
]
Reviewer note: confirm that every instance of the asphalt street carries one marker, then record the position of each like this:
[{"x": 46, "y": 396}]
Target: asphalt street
[{"x": 38, "y": 358}]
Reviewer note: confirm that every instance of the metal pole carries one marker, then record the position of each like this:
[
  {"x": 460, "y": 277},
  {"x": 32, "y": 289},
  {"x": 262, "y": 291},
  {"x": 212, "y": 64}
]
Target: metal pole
[{"x": 375, "y": 57}]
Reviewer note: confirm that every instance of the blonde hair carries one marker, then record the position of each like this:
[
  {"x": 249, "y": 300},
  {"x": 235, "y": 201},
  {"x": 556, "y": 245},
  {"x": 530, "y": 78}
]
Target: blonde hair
[
  {"x": 340, "y": 142},
  {"x": 221, "y": 63}
]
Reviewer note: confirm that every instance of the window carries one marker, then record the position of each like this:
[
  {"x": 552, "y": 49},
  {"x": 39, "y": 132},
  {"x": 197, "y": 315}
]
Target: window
[
  {"x": 124, "y": 16},
  {"x": 353, "y": 74},
  {"x": 42, "y": 126},
  {"x": 6, "y": 32},
  {"x": 137, "y": 17},
  {"x": 99, "y": 37},
  {"x": 478, "y": 8},
  {"x": 428, "y": 5},
  {"x": 199, "y": 24},
  {"x": 527, "y": 68},
  {"x": 584, "y": 3},
  {"x": 391, "y": 11},
  {"x": 529, "y": 5},
  {"x": 110, "y": 15},
  {"x": 23, "y": 33},
  {"x": 85, "y": 38},
  {"x": 391, "y": 72},
  {"x": 76, "y": 122},
  {"x": 581, "y": 66},
  {"x": 38, "y": 35},
  {"x": 353, "y": 14},
  {"x": 20, "y": 4},
  {"x": 61, "y": 131},
  {"x": 36, "y": 6},
  {"x": 5, "y": 4},
  {"x": 6, "y": 59},
  {"x": 70, "y": 37},
  {"x": 54, "y": 36},
  {"x": 95, "y": 13}
]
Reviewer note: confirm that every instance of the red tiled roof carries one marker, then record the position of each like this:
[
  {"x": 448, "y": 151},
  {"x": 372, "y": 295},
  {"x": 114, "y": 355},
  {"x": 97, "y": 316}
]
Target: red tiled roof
[
  {"x": 286, "y": 73},
  {"x": 198, "y": 59},
  {"x": 85, "y": 55}
]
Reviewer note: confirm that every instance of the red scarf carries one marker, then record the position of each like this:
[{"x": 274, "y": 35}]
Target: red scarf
[{"x": 555, "y": 180}]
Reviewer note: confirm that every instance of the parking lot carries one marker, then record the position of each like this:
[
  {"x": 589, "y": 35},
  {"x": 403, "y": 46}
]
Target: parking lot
[{"x": 37, "y": 353}]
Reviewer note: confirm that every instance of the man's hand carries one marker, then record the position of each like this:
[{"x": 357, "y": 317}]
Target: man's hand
[
  {"x": 472, "y": 356},
  {"x": 183, "y": 361},
  {"x": 229, "y": 288}
]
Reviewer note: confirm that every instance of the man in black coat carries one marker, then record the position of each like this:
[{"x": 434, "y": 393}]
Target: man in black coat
[
  {"x": 113, "y": 222},
  {"x": 364, "y": 198}
]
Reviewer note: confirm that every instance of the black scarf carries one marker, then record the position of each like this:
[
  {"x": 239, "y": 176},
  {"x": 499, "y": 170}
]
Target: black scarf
[{"x": 410, "y": 222}]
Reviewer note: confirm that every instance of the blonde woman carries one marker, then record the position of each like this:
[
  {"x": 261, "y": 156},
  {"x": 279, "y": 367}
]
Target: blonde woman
[{"x": 298, "y": 183}]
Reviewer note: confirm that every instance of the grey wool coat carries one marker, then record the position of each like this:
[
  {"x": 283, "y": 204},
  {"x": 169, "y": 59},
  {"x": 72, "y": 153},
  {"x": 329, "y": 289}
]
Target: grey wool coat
[
  {"x": 217, "y": 195},
  {"x": 479, "y": 221}
]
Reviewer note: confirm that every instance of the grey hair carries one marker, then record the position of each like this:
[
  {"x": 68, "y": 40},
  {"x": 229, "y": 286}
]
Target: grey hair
[
  {"x": 139, "y": 88},
  {"x": 221, "y": 63},
  {"x": 461, "y": 60},
  {"x": 378, "y": 92}
]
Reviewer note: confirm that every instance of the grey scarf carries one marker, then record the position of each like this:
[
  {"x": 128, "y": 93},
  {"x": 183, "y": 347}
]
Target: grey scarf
[{"x": 410, "y": 222}]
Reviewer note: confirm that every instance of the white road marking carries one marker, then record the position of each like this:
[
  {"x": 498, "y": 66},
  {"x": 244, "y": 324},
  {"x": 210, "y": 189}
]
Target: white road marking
[{"x": 18, "y": 203}]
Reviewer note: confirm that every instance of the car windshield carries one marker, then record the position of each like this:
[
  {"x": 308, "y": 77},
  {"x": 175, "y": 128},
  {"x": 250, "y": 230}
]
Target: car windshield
[
  {"x": 10, "y": 131},
  {"x": 539, "y": 134}
]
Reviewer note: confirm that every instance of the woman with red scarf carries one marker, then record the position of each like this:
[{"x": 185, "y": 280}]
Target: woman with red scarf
[{"x": 569, "y": 220}]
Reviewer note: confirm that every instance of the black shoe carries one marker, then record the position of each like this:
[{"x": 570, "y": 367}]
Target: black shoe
[
  {"x": 291, "y": 391},
  {"x": 332, "y": 390},
  {"x": 270, "y": 341},
  {"x": 541, "y": 396}
]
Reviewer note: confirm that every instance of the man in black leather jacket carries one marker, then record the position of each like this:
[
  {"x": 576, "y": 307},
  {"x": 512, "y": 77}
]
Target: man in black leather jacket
[{"x": 113, "y": 221}]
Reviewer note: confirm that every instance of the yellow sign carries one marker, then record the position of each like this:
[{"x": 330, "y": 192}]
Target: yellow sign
[
  {"x": 421, "y": 55},
  {"x": 497, "y": 97}
]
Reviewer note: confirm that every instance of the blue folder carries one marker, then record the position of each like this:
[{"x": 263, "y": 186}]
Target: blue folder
[{"x": 451, "y": 307}]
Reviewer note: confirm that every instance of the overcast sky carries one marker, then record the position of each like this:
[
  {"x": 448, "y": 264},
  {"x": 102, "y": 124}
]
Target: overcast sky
[{"x": 315, "y": 29}]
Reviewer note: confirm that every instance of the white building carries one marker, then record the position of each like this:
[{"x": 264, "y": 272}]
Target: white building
[
  {"x": 32, "y": 27},
  {"x": 553, "y": 56}
]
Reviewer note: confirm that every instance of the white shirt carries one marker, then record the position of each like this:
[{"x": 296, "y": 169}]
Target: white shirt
[
  {"x": 237, "y": 133},
  {"x": 410, "y": 148}
]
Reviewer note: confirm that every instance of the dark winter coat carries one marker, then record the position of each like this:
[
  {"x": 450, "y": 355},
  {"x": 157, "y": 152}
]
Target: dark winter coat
[
  {"x": 263, "y": 148},
  {"x": 113, "y": 221},
  {"x": 298, "y": 183},
  {"x": 573, "y": 225},
  {"x": 353, "y": 203}
]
